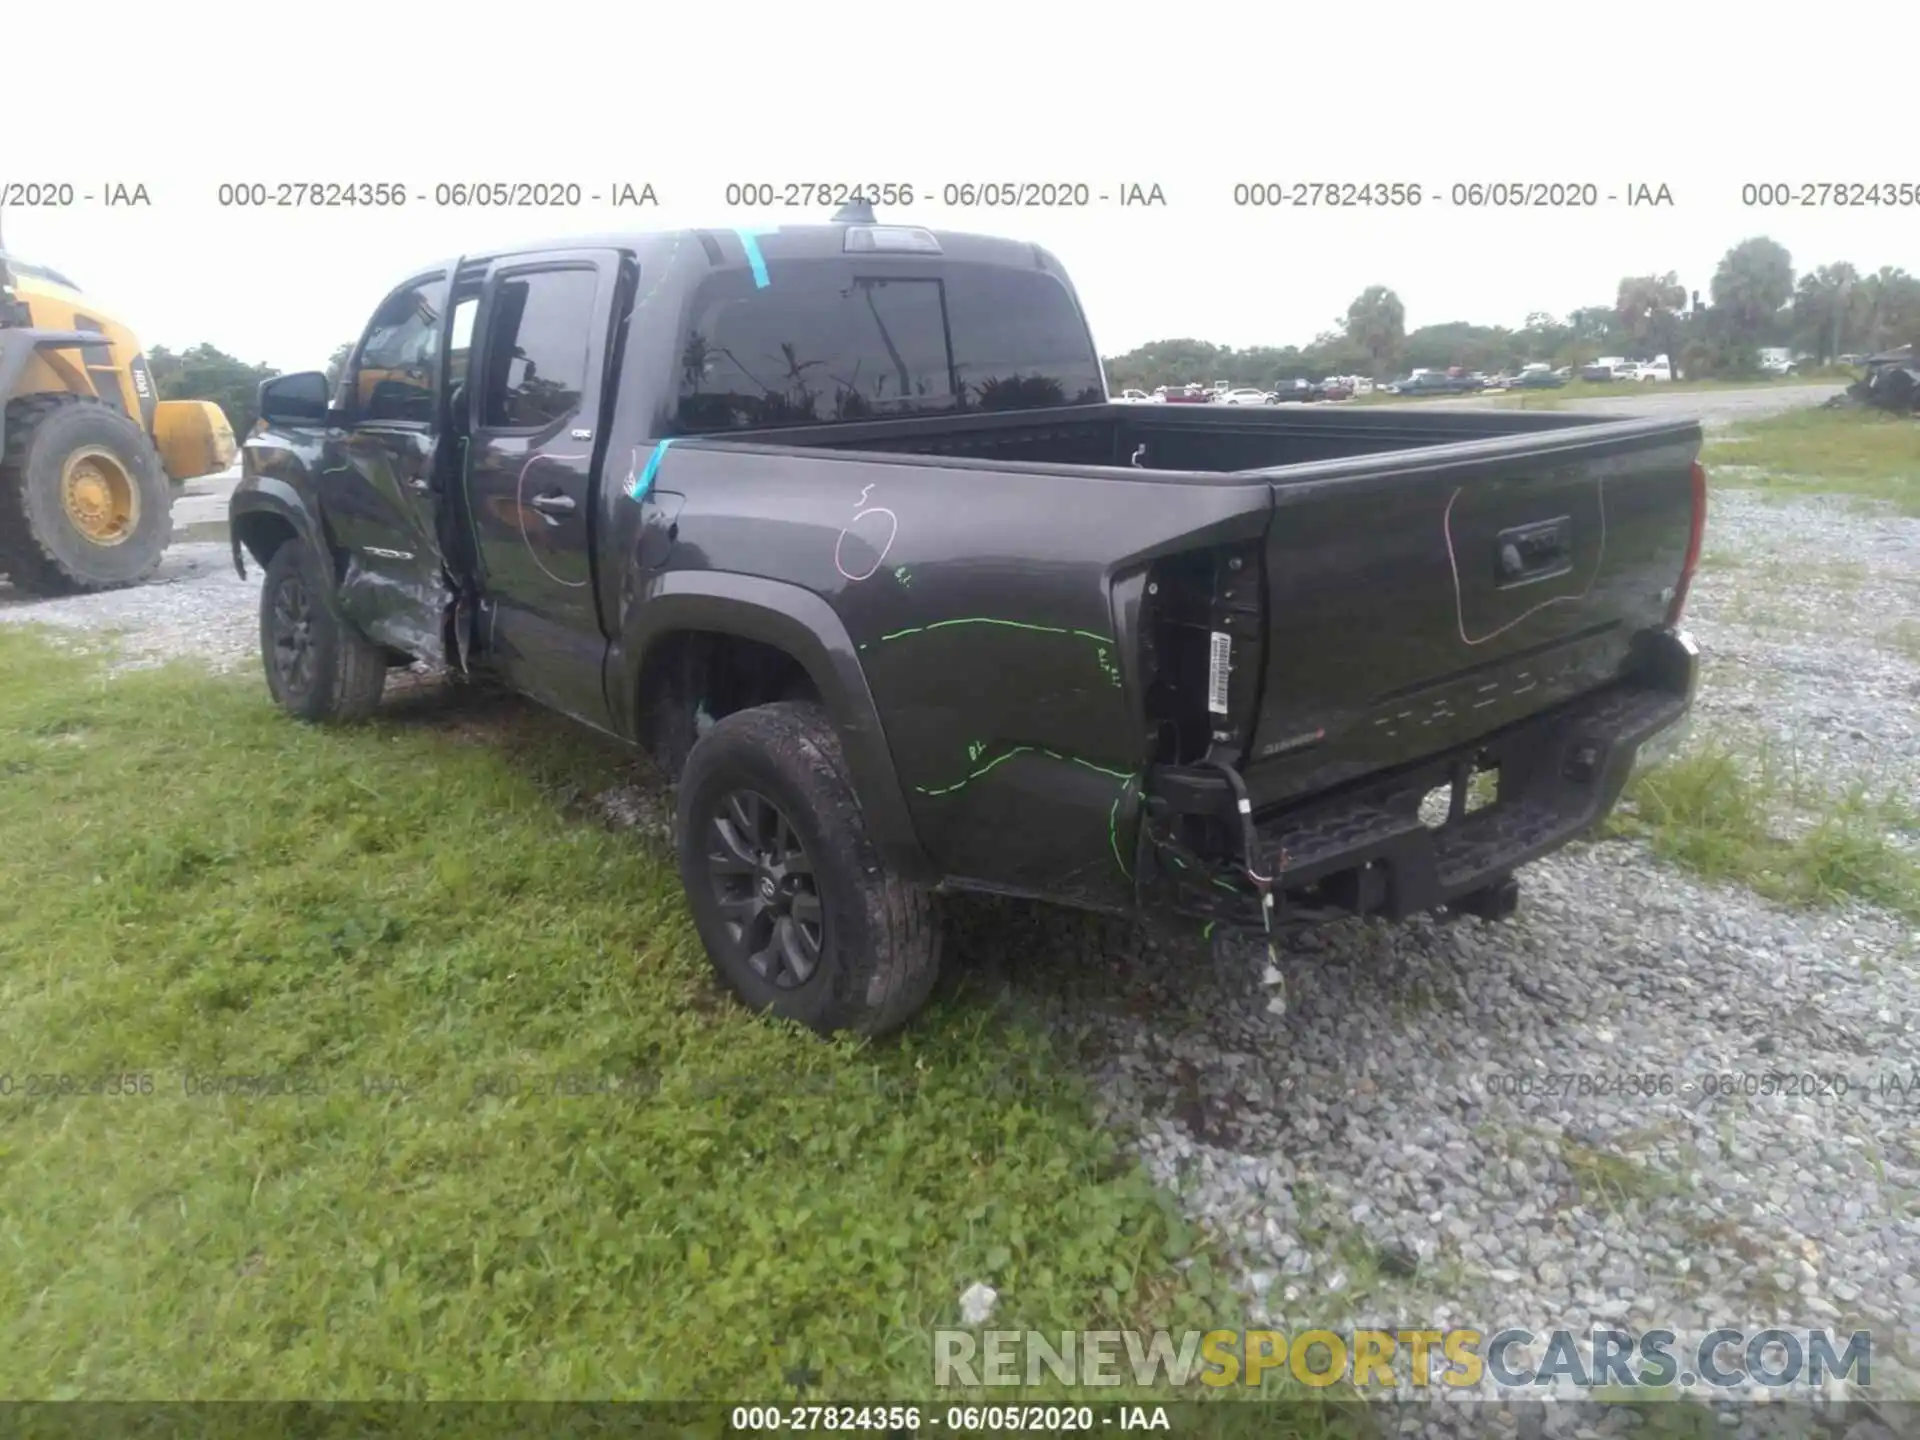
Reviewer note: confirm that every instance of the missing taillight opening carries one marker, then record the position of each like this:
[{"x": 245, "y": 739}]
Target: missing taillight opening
[
  {"x": 1696, "y": 537},
  {"x": 1201, "y": 643}
]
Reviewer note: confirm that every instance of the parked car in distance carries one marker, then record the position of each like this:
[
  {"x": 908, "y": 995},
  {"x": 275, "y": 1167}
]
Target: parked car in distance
[
  {"x": 1777, "y": 360},
  {"x": 1424, "y": 382},
  {"x": 1538, "y": 377},
  {"x": 1656, "y": 369},
  {"x": 1182, "y": 395},
  {"x": 1335, "y": 388},
  {"x": 1134, "y": 397},
  {"x": 1245, "y": 395},
  {"x": 1295, "y": 392},
  {"x": 1218, "y": 694}
]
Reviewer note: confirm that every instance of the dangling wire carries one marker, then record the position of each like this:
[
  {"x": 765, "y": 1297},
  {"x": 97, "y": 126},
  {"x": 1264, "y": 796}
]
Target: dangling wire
[{"x": 1263, "y": 884}]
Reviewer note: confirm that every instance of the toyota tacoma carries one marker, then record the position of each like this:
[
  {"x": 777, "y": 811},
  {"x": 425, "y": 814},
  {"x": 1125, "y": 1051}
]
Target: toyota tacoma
[{"x": 839, "y": 523}]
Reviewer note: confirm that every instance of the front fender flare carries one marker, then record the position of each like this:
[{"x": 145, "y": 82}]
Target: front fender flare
[
  {"x": 803, "y": 625},
  {"x": 270, "y": 495}
]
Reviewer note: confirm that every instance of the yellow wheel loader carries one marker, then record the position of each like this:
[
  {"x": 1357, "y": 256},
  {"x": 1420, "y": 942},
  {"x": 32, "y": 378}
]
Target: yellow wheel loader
[{"x": 89, "y": 454}]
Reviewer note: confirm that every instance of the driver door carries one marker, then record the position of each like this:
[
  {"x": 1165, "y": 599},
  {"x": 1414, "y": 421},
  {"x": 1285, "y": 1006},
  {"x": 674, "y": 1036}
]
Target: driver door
[{"x": 376, "y": 479}]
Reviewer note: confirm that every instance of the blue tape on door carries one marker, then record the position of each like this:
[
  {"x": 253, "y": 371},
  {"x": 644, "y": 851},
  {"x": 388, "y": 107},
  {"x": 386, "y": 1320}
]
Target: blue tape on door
[
  {"x": 643, "y": 482},
  {"x": 750, "y": 240}
]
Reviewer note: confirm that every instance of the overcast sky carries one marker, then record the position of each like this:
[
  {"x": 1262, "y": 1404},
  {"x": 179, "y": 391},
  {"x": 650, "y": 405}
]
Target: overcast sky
[{"x": 187, "y": 96}]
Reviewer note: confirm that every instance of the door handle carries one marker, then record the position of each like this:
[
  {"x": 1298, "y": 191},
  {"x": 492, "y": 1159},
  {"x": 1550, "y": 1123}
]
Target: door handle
[
  {"x": 1539, "y": 551},
  {"x": 553, "y": 504}
]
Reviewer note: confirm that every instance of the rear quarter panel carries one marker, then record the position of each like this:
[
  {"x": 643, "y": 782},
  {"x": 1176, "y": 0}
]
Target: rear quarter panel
[{"x": 990, "y": 608}]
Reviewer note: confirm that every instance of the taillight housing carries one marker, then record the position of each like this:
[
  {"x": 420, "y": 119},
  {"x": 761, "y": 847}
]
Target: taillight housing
[
  {"x": 1201, "y": 633},
  {"x": 1696, "y": 535}
]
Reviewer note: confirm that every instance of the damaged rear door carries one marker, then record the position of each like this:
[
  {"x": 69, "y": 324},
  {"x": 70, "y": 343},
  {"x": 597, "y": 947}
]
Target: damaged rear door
[{"x": 377, "y": 475}]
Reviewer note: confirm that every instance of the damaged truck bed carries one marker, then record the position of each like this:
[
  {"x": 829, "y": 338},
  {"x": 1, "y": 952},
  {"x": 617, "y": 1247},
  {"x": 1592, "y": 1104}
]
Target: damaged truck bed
[{"x": 838, "y": 522}]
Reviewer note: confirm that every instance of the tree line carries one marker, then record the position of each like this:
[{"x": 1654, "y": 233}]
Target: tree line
[
  {"x": 1754, "y": 301},
  {"x": 204, "y": 372}
]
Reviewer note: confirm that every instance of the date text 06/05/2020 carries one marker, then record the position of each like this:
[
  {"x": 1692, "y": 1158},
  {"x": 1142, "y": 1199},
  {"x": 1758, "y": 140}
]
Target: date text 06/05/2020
[{"x": 961, "y": 1419}]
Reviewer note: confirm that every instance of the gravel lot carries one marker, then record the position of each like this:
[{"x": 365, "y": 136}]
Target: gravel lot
[
  {"x": 1365, "y": 1157},
  {"x": 1808, "y": 617},
  {"x": 195, "y": 606},
  {"x": 1713, "y": 408}
]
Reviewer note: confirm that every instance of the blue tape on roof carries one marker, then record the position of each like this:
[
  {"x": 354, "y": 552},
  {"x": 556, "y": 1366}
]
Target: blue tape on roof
[
  {"x": 644, "y": 481},
  {"x": 751, "y": 241}
]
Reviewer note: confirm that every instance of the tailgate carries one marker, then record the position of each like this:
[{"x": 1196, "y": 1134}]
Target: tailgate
[{"x": 1416, "y": 602}]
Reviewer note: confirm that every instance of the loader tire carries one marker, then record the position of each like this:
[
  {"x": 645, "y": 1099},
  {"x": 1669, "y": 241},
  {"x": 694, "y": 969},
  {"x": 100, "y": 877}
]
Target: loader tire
[{"x": 84, "y": 502}]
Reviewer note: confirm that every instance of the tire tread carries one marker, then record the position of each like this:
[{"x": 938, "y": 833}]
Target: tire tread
[
  {"x": 359, "y": 673},
  {"x": 882, "y": 994},
  {"x": 24, "y": 557}
]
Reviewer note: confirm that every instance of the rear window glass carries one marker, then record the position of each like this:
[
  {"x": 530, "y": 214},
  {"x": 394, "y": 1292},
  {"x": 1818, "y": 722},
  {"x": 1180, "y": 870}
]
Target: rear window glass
[{"x": 832, "y": 341}]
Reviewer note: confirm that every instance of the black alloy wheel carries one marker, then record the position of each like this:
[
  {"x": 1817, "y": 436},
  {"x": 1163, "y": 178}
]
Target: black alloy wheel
[
  {"x": 798, "y": 911},
  {"x": 293, "y": 639},
  {"x": 763, "y": 883}
]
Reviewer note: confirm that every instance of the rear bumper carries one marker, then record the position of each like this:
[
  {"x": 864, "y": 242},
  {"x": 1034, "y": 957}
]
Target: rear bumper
[{"x": 1365, "y": 848}]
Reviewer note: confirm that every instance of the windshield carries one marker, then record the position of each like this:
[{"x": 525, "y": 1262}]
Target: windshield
[{"x": 836, "y": 341}]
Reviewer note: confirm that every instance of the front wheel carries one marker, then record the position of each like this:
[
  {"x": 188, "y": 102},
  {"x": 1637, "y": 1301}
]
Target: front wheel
[
  {"x": 318, "y": 666},
  {"x": 794, "y": 907}
]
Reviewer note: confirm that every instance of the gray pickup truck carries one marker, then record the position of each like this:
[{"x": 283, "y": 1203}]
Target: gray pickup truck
[{"x": 838, "y": 522}]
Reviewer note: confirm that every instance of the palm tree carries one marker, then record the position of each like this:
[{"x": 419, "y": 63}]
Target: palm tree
[
  {"x": 1754, "y": 280},
  {"x": 1377, "y": 321},
  {"x": 1648, "y": 308},
  {"x": 1821, "y": 305}
]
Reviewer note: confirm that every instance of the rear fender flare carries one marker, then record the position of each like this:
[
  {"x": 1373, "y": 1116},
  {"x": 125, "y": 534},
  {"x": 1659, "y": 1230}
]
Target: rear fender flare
[{"x": 804, "y": 626}]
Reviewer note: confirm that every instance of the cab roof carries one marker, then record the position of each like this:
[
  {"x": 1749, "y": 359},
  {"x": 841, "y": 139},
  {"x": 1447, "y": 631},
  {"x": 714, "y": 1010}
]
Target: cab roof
[{"x": 728, "y": 245}]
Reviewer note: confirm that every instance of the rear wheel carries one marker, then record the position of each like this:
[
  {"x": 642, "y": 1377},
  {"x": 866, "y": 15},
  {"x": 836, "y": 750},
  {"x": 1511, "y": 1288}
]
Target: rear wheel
[
  {"x": 796, "y": 912},
  {"x": 84, "y": 502},
  {"x": 318, "y": 666}
]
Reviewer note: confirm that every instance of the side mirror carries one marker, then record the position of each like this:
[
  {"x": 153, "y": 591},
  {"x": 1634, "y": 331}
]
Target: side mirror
[{"x": 299, "y": 399}]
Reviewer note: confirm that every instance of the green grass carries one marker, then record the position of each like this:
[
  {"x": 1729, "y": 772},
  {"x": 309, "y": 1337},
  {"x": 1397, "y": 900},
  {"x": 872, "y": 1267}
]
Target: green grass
[
  {"x": 415, "y": 916},
  {"x": 1861, "y": 453},
  {"x": 1712, "y": 813}
]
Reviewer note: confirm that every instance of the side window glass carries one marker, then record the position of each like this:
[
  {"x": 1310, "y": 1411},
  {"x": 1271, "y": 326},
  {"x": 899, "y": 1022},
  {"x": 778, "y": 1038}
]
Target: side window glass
[
  {"x": 537, "y": 348},
  {"x": 399, "y": 358},
  {"x": 460, "y": 340},
  {"x": 825, "y": 345}
]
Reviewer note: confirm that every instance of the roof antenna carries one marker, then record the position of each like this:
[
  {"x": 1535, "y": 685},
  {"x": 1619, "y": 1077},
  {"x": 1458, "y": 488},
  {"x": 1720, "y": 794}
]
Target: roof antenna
[{"x": 854, "y": 212}]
